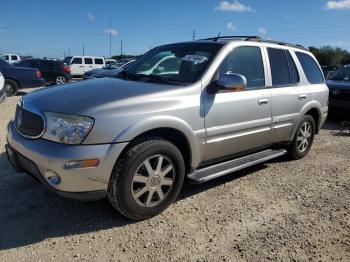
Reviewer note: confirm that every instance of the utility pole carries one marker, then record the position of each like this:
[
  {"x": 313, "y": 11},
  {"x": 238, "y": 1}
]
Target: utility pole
[
  {"x": 121, "y": 49},
  {"x": 69, "y": 51},
  {"x": 194, "y": 35},
  {"x": 110, "y": 37},
  {"x": 83, "y": 49},
  {"x": 150, "y": 48}
]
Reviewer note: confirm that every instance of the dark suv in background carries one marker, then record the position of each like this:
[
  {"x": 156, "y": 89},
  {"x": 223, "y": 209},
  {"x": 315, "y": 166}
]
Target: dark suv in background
[
  {"x": 54, "y": 72},
  {"x": 339, "y": 89}
]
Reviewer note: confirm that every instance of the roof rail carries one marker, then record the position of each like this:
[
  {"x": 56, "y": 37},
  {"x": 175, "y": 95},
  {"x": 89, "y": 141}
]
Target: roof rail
[
  {"x": 241, "y": 37},
  {"x": 254, "y": 38}
]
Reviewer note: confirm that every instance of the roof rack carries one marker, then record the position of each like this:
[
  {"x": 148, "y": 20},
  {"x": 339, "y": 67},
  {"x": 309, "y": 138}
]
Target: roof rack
[{"x": 254, "y": 38}]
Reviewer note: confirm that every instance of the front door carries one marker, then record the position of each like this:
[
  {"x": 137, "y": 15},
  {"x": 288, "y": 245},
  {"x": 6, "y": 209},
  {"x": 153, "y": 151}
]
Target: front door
[{"x": 237, "y": 122}]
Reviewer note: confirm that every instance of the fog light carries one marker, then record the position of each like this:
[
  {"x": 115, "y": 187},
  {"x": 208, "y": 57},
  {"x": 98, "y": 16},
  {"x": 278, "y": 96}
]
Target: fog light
[
  {"x": 81, "y": 163},
  {"x": 52, "y": 178}
]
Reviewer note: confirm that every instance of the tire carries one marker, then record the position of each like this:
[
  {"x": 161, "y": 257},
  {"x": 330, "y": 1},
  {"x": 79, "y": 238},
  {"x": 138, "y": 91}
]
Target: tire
[
  {"x": 10, "y": 87},
  {"x": 301, "y": 144},
  {"x": 60, "y": 80},
  {"x": 138, "y": 197}
]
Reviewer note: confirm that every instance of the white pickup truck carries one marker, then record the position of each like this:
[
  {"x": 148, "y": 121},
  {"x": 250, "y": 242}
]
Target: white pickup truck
[{"x": 10, "y": 58}]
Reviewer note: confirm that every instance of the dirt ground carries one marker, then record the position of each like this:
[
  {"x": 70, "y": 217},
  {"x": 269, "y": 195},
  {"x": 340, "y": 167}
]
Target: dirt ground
[{"x": 281, "y": 210}]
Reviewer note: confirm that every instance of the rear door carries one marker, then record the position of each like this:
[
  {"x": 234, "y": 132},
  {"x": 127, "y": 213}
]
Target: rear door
[
  {"x": 99, "y": 62},
  {"x": 88, "y": 64},
  {"x": 236, "y": 122},
  {"x": 289, "y": 95}
]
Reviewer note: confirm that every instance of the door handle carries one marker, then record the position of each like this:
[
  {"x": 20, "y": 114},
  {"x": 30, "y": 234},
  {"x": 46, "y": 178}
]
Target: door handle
[
  {"x": 81, "y": 66},
  {"x": 303, "y": 96},
  {"x": 263, "y": 101}
]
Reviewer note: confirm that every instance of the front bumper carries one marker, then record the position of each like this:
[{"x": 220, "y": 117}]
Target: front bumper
[{"x": 42, "y": 158}]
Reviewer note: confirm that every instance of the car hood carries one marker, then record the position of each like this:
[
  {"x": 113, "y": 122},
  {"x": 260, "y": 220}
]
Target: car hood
[
  {"x": 85, "y": 96},
  {"x": 106, "y": 73},
  {"x": 333, "y": 84},
  {"x": 95, "y": 71}
]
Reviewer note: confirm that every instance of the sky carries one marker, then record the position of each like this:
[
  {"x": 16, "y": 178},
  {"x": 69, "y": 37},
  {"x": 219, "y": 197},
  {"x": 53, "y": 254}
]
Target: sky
[{"x": 54, "y": 28}]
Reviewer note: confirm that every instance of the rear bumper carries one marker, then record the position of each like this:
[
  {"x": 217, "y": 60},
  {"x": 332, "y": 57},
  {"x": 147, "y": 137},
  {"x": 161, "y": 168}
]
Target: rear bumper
[
  {"x": 42, "y": 159},
  {"x": 32, "y": 83}
]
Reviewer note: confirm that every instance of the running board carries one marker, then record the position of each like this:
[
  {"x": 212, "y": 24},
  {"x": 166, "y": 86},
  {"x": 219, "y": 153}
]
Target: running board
[{"x": 207, "y": 173}]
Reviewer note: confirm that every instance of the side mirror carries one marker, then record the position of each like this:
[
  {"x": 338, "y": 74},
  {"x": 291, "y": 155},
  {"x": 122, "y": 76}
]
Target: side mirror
[{"x": 230, "y": 83}]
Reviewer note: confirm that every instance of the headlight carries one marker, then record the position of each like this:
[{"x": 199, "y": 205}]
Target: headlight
[{"x": 67, "y": 129}]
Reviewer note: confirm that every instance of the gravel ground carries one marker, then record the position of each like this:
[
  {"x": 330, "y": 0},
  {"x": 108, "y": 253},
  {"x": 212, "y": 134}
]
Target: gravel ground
[{"x": 281, "y": 210}]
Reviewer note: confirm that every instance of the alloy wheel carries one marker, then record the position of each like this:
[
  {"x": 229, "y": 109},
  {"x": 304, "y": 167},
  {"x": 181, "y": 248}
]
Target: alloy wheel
[
  {"x": 60, "y": 80},
  {"x": 153, "y": 181},
  {"x": 304, "y": 136}
]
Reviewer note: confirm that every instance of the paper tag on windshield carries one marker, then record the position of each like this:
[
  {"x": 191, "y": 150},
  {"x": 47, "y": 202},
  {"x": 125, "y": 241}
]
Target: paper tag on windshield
[{"x": 197, "y": 59}]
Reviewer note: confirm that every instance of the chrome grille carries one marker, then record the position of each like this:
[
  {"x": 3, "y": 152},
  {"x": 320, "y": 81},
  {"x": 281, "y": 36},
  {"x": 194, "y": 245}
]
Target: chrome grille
[{"x": 28, "y": 124}]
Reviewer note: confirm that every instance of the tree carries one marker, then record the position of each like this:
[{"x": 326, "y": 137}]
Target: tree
[{"x": 331, "y": 56}]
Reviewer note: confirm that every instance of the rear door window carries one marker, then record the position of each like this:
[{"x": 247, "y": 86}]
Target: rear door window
[
  {"x": 247, "y": 61},
  {"x": 98, "y": 61},
  {"x": 279, "y": 67},
  {"x": 311, "y": 68},
  {"x": 88, "y": 61},
  {"x": 293, "y": 71},
  {"x": 14, "y": 58}
]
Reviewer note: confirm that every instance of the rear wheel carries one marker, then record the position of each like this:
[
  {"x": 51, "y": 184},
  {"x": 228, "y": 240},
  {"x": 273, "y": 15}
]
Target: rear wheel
[
  {"x": 303, "y": 138},
  {"x": 10, "y": 87},
  {"x": 147, "y": 178},
  {"x": 60, "y": 80}
]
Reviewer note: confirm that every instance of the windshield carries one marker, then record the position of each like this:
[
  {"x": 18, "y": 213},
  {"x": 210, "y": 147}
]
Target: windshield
[
  {"x": 342, "y": 74},
  {"x": 67, "y": 60},
  {"x": 176, "y": 63}
]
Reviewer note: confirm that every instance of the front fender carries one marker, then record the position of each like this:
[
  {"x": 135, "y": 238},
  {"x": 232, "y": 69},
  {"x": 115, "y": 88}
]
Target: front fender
[{"x": 193, "y": 137}]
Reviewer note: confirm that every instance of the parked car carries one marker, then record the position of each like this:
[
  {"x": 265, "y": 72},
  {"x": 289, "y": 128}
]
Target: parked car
[
  {"x": 10, "y": 58},
  {"x": 54, "y": 72},
  {"x": 17, "y": 78},
  {"x": 221, "y": 105},
  {"x": 108, "y": 71},
  {"x": 2, "y": 90},
  {"x": 109, "y": 61},
  {"x": 81, "y": 64},
  {"x": 339, "y": 89}
]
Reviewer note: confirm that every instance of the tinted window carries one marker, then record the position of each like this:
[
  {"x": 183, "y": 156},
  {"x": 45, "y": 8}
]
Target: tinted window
[
  {"x": 247, "y": 61},
  {"x": 46, "y": 65},
  {"x": 293, "y": 72},
  {"x": 311, "y": 69},
  {"x": 342, "y": 74},
  {"x": 88, "y": 61},
  {"x": 25, "y": 63},
  {"x": 279, "y": 67},
  {"x": 98, "y": 61},
  {"x": 14, "y": 58},
  {"x": 77, "y": 61}
]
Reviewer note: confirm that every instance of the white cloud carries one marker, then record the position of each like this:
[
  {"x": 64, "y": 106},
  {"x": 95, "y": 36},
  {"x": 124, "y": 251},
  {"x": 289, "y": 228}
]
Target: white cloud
[
  {"x": 112, "y": 31},
  {"x": 233, "y": 7},
  {"x": 334, "y": 5},
  {"x": 262, "y": 31},
  {"x": 231, "y": 26},
  {"x": 90, "y": 16}
]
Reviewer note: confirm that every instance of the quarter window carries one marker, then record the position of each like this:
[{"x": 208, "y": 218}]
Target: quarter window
[
  {"x": 247, "y": 61},
  {"x": 311, "y": 69},
  {"x": 14, "y": 58},
  {"x": 98, "y": 61},
  {"x": 88, "y": 61}
]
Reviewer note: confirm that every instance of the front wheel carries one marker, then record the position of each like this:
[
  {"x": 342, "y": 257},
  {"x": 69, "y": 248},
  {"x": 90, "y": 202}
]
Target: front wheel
[
  {"x": 147, "y": 178},
  {"x": 303, "y": 138}
]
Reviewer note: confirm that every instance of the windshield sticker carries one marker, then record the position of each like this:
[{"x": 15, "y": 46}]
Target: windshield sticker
[{"x": 197, "y": 59}]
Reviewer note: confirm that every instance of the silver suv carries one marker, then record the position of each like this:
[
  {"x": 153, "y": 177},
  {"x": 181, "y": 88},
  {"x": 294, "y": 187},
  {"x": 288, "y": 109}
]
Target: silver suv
[{"x": 195, "y": 110}]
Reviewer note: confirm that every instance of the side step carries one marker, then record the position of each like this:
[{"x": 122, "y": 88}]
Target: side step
[{"x": 207, "y": 173}]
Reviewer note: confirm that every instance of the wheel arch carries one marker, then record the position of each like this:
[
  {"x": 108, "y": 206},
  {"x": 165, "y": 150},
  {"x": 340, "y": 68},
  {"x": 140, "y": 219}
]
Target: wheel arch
[{"x": 172, "y": 129}]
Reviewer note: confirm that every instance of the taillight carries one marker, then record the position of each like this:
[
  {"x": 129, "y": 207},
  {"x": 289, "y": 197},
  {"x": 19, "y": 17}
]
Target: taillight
[
  {"x": 66, "y": 69},
  {"x": 38, "y": 74}
]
